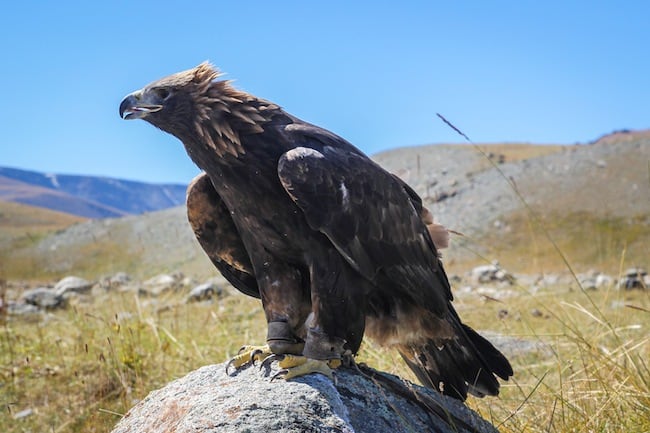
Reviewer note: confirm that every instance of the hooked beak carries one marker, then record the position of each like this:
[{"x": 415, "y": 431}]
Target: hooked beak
[{"x": 135, "y": 106}]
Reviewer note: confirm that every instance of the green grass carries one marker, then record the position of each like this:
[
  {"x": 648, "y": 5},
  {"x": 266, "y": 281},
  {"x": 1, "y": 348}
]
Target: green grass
[{"x": 80, "y": 368}]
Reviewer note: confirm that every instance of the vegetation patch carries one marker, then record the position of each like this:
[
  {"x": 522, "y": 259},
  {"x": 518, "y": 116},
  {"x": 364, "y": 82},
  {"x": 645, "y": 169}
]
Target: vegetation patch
[{"x": 527, "y": 245}]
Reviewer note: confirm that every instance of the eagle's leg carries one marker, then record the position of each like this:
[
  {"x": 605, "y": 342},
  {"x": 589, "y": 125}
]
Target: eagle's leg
[
  {"x": 336, "y": 323},
  {"x": 286, "y": 305}
]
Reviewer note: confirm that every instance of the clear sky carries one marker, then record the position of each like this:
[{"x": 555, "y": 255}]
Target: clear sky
[{"x": 374, "y": 72}]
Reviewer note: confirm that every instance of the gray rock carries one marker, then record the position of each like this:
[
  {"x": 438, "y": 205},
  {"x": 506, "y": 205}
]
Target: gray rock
[
  {"x": 495, "y": 293},
  {"x": 595, "y": 280},
  {"x": 160, "y": 284},
  {"x": 634, "y": 278},
  {"x": 188, "y": 282},
  {"x": 23, "y": 413},
  {"x": 635, "y": 272},
  {"x": 72, "y": 284},
  {"x": 588, "y": 283},
  {"x": 491, "y": 273},
  {"x": 536, "y": 312},
  {"x": 119, "y": 279},
  {"x": 604, "y": 280},
  {"x": 22, "y": 309},
  {"x": 43, "y": 297},
  {"x": 209, "y": 400},
  {"x": 204, "y": 292},
  {"x": 553, "y": 280}
]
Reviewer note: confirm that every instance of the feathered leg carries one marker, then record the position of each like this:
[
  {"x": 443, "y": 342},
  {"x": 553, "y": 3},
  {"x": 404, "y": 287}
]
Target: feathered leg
[
  {"x": 285, "y": 299},
  {"x": 336, "y": 323}
]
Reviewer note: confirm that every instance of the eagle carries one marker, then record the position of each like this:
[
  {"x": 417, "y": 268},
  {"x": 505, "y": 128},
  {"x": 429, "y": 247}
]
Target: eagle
[{"x": 335, "y": 246}]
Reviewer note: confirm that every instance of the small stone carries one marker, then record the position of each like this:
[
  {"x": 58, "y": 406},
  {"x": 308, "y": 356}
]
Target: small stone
[
  {"x": 43, "y": 297},
  {"x": 491, "y": 273},
  {"x": 160, "y": 284},
  {"x": 72, "y": 284},
  {"x": 204, "y": 292},
  {"x": 23, "y": 413},
  {"x": 588, "y": 283},
  {"x": 22, "y": 309},
  {"x": 119, "y": 279},
  {"x": 634, "y": 278},
  {"x": 603, "y": 280}
]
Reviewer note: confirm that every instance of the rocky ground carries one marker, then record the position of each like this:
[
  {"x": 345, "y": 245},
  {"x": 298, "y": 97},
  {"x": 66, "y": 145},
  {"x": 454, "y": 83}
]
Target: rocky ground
[
  {"x": 466, "y": 192},
  {"x": 24, "y": 299},
  {"x": 363, "y": 401}
]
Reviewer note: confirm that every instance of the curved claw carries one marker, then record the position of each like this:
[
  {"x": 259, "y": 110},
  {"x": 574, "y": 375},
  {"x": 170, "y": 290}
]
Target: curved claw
[
  {"x": 255, "y": 354},
  {"x": 230, "y": 363},
  {"x": 269, "y": 359},
  {"x": 248, "y": 355},
  {"x": 280, "y": 373}
]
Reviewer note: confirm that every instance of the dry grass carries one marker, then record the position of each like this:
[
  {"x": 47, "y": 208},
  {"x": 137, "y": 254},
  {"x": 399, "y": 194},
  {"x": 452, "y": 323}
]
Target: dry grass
[
  {"x": 512, "y": 152},
  {"x": 79, "y": 369},
  {"x": 16, "y": 220},
  {"x": 592, "y": 376},
  {"x": 588, "y": 242},
  {"x": 22, "y": 227}
]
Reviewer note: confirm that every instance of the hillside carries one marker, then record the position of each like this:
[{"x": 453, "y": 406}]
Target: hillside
[
  {"x": 592, "y": 200},
  {"x": 87, "y": 196},
  {"x": 22, "y": 227}
]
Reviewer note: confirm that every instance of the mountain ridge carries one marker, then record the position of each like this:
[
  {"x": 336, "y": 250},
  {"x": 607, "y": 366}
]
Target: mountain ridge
[{"x": 87, "y": 196}]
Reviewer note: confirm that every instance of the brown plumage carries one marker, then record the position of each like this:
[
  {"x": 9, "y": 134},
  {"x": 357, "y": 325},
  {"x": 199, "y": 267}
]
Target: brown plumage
[{"x": 333, "y": 245}]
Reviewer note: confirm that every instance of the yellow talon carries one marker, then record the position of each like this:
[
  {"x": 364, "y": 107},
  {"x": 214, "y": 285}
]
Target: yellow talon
[
  {"x": 334, "y": 363},
  {"x": 291, "y": 361},
  {"x": 249, "y": 354},
  {"x": 296, "y": 366}
]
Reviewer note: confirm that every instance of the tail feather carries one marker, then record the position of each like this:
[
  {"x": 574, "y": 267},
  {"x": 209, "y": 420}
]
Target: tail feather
[
  {"x": 466, "y": 364},
  {"x": 494, "y": 359}
]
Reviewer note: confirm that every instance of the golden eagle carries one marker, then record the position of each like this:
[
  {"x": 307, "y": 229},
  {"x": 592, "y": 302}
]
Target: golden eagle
[{"x": 334, "y": 245}]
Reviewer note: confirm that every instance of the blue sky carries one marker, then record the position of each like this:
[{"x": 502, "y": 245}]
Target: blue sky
[{"x": 374, "y": 72}]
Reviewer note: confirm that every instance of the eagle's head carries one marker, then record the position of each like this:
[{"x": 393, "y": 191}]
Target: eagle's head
[
  {"x": 173, "y": 103},
  {"x": 199, "y": 109}
]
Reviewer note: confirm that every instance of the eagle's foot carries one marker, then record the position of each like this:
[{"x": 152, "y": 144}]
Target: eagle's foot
[
  {"x": 295, "y": 366},
  {"x": 248, "y": 355}
]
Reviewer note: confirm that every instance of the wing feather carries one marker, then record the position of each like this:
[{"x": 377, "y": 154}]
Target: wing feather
[
  {"x": 369, "y": 217},
  {"x": 218, "y": 236}
]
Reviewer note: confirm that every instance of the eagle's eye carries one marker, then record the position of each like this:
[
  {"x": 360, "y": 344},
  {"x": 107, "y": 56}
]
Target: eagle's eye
[{"x": 162, "y": 93}]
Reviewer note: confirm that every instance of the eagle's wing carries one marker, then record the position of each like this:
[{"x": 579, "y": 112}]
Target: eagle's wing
[
  {"x": 369, "y": 217},
  {"x": 216, "y": 232},
  {"x": 378, "y": 224}
]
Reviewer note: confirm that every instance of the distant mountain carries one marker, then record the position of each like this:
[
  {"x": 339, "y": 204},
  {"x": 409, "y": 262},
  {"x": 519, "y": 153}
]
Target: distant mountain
[
  {"x": 592, "y": 200},
  {"x": 87, "y": 196}
]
